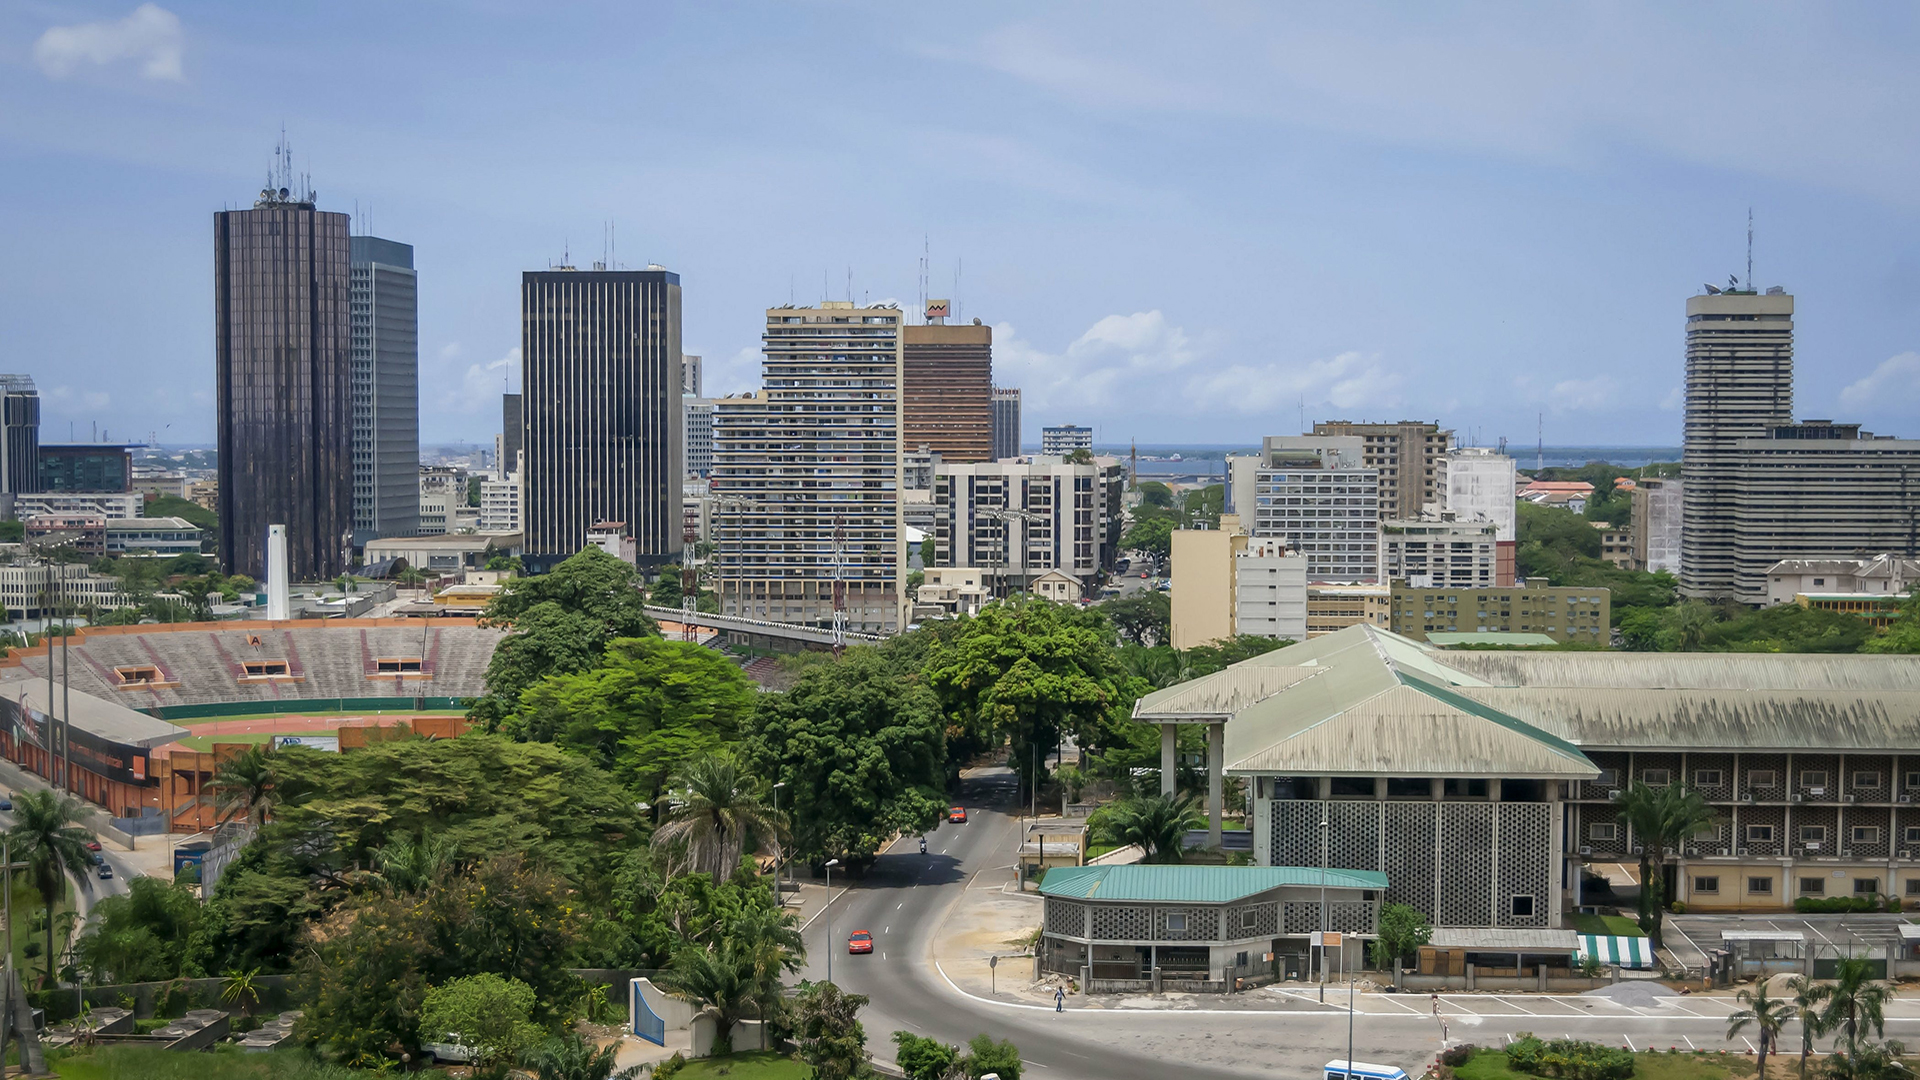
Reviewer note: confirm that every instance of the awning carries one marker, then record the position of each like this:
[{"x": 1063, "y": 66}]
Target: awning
[{"x": 1625, "y": 952}]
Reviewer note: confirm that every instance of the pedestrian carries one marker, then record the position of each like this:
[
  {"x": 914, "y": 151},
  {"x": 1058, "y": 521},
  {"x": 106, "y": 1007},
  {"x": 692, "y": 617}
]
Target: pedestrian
[{"x": 1059, "y": 999}]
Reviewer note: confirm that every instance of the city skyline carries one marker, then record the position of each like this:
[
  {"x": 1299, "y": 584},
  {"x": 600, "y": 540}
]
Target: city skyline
[{"x": 1415, "y": 247}]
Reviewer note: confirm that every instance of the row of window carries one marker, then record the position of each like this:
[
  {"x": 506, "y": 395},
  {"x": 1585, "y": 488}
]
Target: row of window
[
  {"x": 1607, "y": 832},
  {"x": 1809, "y": 886},
  {"x": 1814, "y": 780}
]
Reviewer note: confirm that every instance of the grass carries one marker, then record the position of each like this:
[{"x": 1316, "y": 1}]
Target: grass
[
  {"x": 1608, "y": 925},
  {"x": 1094, "y": 851},
  {"x": 225, "y": 1063},
  {"x": 758, "y": 1065},
  {"x": 26, "y": 905},
  {"x": 1492, "y": 1065}
]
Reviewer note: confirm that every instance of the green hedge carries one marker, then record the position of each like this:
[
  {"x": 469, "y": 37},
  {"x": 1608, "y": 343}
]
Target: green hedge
[
  {"x": 1832, "y": 905},
  {"x": 1569, "y": 1059}
]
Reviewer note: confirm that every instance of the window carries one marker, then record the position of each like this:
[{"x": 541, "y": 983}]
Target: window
[
  {"x": 1866, "y": 886},
  {"x": 1813, "y": 886},
  {"x": 1177, "y": 920},
  {"x": 1913, "y": 886},
  {"x": 1813, "y": 834},
  {"x": 1913, "y": 834},
  {"x": 1523, "y": 907},
  {"x": 1762, "y": 778},
  {"x": 1760, "y": 886},
  {"x": 1707, "y": 833},
  {"x": 1866, "y": 779},
  {"x": 1603, "y": 830},
  {"x": 1866, "y": 834},
  {"x": 1656, "y": 777},
  {"x": 1611, "y": 777},
  {"x": 1706, "y": 777},
  {"x": 1249, "y": 919},
  {"x": 1706, "y": 884},
  {"x": 1759, "y": 834},
  {"x": 1813, "y": 778},
  {"x": 1913, "y": 781}
]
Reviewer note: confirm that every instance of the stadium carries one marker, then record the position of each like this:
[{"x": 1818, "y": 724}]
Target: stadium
[{"x": 153, "y": 707}]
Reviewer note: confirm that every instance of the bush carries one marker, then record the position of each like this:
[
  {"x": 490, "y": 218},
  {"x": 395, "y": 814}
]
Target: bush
[
  {"x": 1678, "y": 907},
  {"x": 669, "y": 1067},
  {"x": 984, "y": 1056},
  {"x": 1894, "y": 905},
  {"x": 1455, "y": 1056},
  {"x": 1569, "y": 1059},
  {"x": 1838, "y": 905}
]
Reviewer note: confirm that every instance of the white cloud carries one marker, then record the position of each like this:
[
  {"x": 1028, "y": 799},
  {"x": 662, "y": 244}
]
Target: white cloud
[
  {"x": 479, "y": 388},
  {"x": 1114, "y": 356},
  {"x": 66, "y": 398},
  {"x": 1349, "y": 381},
  {"x": 150, "y": 37},
  {"x": 1582, "y": 395},
  {"x": 734, "y": 374},
  {"x": 1895, "y": 382}
]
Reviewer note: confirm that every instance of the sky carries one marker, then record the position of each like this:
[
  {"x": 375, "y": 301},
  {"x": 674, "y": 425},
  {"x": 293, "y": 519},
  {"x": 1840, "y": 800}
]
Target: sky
[{"x": 1195, "y": 222}]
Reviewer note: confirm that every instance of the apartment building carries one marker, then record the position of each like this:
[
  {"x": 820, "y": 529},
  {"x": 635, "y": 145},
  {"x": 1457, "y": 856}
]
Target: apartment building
[
  {"x": 443, "y": 491},
  {"x": 1563, "y": 613},
  {"x": 106, "y": 504},
  {"x": 1231, "y": 583},
  {"x": 1439, "y": 552},
  {"x": 1270, "y": 591},
  {"x": 1407, "y": 456},
  {"x": 1333, "y": 605},
  {"x": 500, "y": 505},
  {"x": 1619, "y": 544},
  {"x": 806, "y": 474},
  {"x": 698, "y": 415},
  {"x": 1016, "y": 520},
  {"x": 1311, "y": 492},
  {"x": 1064, "y": 439},
  {"x": 1659, "y": 509}
]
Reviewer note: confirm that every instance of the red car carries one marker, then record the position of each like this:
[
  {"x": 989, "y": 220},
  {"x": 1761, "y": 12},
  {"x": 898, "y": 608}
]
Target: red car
[
  {"x": 957, "y": 815},
  {"x": 860, "y": 941},
  {"x": 93, "y": 845}
]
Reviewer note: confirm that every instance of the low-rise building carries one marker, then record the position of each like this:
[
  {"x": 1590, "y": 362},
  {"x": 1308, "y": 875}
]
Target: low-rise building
[
  {"x": 86, "y": 534},
  {"x": 1440, "y": 552},
  {"x": 163, "y": 536},
  {"x": 1563, "y": 613},
  {"x": 1230, "y": 583},
  {"x": 44, "y": 590},
  {"x": 1336, "y": 605},
  {"x": 1881, "y": 575},
  {"x": 1877, "y": 609},
  {"x": 106, "y": 504},
  {"x": 952, "y": 590},
  {"x": 443, "y": 554},
  {"x": 1619, "y": 545}
]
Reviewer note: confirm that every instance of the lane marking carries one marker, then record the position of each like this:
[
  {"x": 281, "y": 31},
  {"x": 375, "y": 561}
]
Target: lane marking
[
  {"x": 823, "y": 909},
  {"x": 1623, "y": 1035}
]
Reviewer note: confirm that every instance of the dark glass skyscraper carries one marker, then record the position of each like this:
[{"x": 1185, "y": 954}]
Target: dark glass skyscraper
[
  {"x": 19, "y": 435},
  {"x": 283, "y": 359},
  {"x": 600, "y": 397},
  {"x": 386, "y": 390}
]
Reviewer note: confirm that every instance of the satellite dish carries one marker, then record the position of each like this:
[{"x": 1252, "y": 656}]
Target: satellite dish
[{"x": 1711, "y": 291}]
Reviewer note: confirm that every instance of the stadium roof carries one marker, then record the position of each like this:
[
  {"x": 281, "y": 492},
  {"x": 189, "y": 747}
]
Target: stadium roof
[{"x": 107, "y": 719}]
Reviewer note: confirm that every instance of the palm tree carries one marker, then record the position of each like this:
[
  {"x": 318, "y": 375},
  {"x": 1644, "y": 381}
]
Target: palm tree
[
  {"x": 1807, "y": 996},
  {"x": 246, "y": 783},
  {"x": 45, "y": 838},
  {"x": 1765, "y": 1015},
  {"x": 409, "y": 864},
  {"x": 1662, "y": 818},
  {"x": 714, "y": 806},
  {"x": 1155, "y": 822},
  {"x": 411, "y": 577},
  {"x": 242, "y": 988},
  {"x": 720, "y": 979},
  {"x": 570, "y": 1057},
  {"x": 769, "y": 945},
  {"x": 1856, "y": 1002}
]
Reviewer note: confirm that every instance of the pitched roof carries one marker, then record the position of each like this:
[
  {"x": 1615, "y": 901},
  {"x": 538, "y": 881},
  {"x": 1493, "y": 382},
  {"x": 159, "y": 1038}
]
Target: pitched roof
[{"x": 1194, "y": 884}]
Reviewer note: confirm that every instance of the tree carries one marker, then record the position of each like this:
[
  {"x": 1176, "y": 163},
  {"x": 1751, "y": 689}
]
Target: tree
[
  {"x": 408, "y": 864},
  {"x": 1662, "y": 818},
  {"x": 1403, "y": 930},
  {"x": 1143, "y": 618},
  {"x": 1157, "y": 823},
  {"x": 1640, "y": 629},
  {"x": 491, "y": 1014},
  {"x": 1155, "y": 493},
  {"x": 1903, "y": 634},
  {"x": 643, "y": 713},
  {"x": 861, "y": 745},
  {"x": 410, "y": 576},
  {"x": 1856, "y": 1002},
  {"x": 1150, "y": 535},
  {"x": 716, "y": 978},
  {"x": 242, "y": 988},
  {"x": 1765, "y": 1014},
  {"x": 561, "y": 623},
  {"x": 142, "y": 936},
  {"x": 572, "y": 1057},
  {"x": 984, "y": 1056},
  {"x": 245, "y": 784},
  {"x": 922, "y": 1058},
  {"x": 715, "y": 807},
  {"x": 828, "y": 1032},
  {"x": 1807, "y": 998},
  {"x": 45, "y": 838},
  {"x": 1872, "y": 1061},
  {"x": 768, "y": 945}
]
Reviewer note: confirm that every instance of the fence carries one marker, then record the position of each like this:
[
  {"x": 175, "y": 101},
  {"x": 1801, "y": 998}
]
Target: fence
[{"x": 304, "y": 706}]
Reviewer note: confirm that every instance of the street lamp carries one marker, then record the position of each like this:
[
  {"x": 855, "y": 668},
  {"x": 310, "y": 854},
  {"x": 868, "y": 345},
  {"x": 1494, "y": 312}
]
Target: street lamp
[
  {"x": 1325, "y": 827},
  {"x": 831, "y": 863},
  {"x": 778, "y": 900}
]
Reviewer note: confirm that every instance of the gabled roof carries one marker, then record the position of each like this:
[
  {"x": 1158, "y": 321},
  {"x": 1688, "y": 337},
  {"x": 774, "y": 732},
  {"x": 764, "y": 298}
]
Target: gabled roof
[{"x": 1194, "y": 884}]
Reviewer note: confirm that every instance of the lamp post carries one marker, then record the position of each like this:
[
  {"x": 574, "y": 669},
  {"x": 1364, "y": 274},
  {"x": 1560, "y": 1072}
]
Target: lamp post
[
  {"x": 779, "y": 901},
  {"x": 1324, "y": 829},
  {"x": 831, "y": 863}
]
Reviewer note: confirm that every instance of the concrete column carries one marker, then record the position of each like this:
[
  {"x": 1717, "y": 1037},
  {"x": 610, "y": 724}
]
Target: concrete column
[
  {"x": 1216, "y": 767},
  {"x": 1166, "y": 760},
  {"x": 1439, "y": 788}
]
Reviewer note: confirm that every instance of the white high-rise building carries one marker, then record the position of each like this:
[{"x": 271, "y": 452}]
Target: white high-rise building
[
  {"x": 698, "y": 413},
  {"x": 1312, "y": 492},
  {"x": 1016, "y": 520},
  {"x": 806, "y": 474},
  {"x": 500, "y": 505},
  {"x": 1477, "y": 484},
  {"x": 1270, "y": 591}
]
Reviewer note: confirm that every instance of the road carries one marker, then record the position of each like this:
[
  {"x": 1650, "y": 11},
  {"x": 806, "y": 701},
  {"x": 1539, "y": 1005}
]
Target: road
[{"x": 1266, "y": 1033}]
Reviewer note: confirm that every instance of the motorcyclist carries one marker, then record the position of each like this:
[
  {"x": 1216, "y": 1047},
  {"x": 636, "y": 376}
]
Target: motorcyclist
[{"x": 923, "y": 845}]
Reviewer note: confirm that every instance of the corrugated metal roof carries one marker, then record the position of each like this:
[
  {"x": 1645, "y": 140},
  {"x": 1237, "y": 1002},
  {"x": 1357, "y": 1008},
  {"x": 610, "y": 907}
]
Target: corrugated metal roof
[
  {"x": 1824, "y": 720},
  {"x": 1487, "y": 637},
  {"x": 1457, "y": 937},
  {"x": 1194, "y": 884},
  {"x": 1690, "y": 671},
  {"x": 1222, "y": 693},
  {"x": 1762, "y": 935}
]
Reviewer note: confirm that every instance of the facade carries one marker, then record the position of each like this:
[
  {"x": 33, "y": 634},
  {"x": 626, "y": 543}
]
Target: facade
[
  {"x": 442, "y": 492},
  {"x": 600, "y": 378},
  {"x": 86, "y": 534},
  {"x": 1878, "y": 610},
  {"x": 1270, "y": 591},
  {"x": 1335, "y": 606},
  {"x": 1312, "y": 493},
  {"x": 1619, "y": 546},
  {"x": 1878, "y": 575},
  {"x": 806, "y": 474},
  {"x": 947, "y": 390},
  {"x": 163, "y": 536},
  {"x": 1006, "y": 422},
  {"x": 1477, "y": 484},
  {"x": 443, "y": 554},
  {"x": 690, "y": 376},
  {"x": 1407, "y": 455},
  {"x": 282, "y": 371},
  {"x": 500, "y": 505},
  {"x": 1440, "y": 553},
  {"x": 385, "y": 388},
  {"x": 156, "y": 484},
  {"x": 101, "y": 750},
  {"x": 1062, "y": 439},
  {"x": 19, "y": 435},
  {"x": 698, "y": 414},
  {"x": 1202, "y": 562},
  {"x": 953, "y": 590},
  {"x": 1659, "y": 508},
  {"x": 36, "y": 590},
  {"x": 106, "y": 504},
  {"x": 1563, "y": 613},
  {"x": 87, "y": 467},
  {"x": 512, "y": 436},
  {"x": 1017, "y": 520}
]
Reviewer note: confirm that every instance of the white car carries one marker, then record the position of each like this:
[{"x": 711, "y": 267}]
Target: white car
[{"x": 452, "y": 1051}]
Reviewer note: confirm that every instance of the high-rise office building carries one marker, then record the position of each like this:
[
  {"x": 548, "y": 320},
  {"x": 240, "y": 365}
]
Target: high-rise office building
[
  {"x": 512, "y": 436},
  {"x": 1063, "y": 439},
  {"x": 1406, "y": 454},
  {"x": 19, "y": 435},
  {"x": 87, "y": 467},
  {"x": 698, "y": 413},
  {"x": 806, "y": 474},
  {"x": 283, "y": 344},
  {"x": 1312, "y": 492},
  {"x": 690, "y": 376},
  {"x": 947, "y": 390},
  {"x": 1015, "y": 521},
  {"x": 386, "y": 389},
  {"x": 1006, "y": 422},
  {"x": 600, "y": 385}
]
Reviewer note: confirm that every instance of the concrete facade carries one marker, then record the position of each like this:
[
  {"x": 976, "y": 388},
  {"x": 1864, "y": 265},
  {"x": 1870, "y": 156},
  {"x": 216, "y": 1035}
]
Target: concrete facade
[
  {"x": 1006, "y": 422},
  {"x": 1563, "y": 613},
  {"x": 1439, "y": 553},
  {"x": 1335, "y": 606},
  {"x": 1062, "y": 439},
  {"x": 1311, "y": 492},
  {"x": 1203, "y": 602},
  {"x": 1880, "y": 575},
  {"x": 1018, "y": 519},
  {"x": 1477, "y": 484},
  {"x": 947, "y": 390},
  {"x": 1270, "y": 591},
  {"x": 1659, "y": 509},
  {"x": 1408, "y": 457}
]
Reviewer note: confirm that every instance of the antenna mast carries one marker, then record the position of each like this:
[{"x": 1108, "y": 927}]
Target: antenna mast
[
  {"x": 1750, "y": 287},
  {"x": 1540, "y": 448}
]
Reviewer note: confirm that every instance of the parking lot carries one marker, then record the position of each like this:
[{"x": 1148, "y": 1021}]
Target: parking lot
[{"x": 1690, "y": 937}]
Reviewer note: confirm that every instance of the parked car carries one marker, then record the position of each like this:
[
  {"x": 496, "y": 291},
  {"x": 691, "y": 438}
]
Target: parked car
[
  {"x": 93, "y": 845},
  {"x": 860, "y": 941},
  {"x": 450, "y": 1050},
  {"x": 6, "y": 804}
]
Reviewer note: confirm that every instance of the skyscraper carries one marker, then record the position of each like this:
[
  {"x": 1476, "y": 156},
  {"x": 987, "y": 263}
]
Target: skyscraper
[
  {"x": 806, "y": 474},
  {"x": 19, "y": 435},
  {"x": 512, "y": 435},
  {"x": 282, "y": 371},
  {"x": 1006, "y": 422},
  {"x": 947, "y": 389},
  {"x": 690, "y": 376},
  {"x": 600, "y": 385},
  {"x": 386, "y": 389},
  {"x": 1739, "y": 386}
]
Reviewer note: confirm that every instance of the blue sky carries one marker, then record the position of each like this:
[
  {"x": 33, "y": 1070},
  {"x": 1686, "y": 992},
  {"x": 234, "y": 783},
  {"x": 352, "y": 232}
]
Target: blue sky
[{"x": 1184, "y": 221}]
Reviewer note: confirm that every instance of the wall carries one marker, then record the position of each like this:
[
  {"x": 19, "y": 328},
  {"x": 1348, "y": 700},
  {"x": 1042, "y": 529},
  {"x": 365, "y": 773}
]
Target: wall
[{"x": 1203, "y": 599}]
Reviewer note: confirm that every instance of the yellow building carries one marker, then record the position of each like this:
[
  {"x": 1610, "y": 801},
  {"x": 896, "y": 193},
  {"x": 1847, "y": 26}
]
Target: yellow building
[
  {"x": 1335, "y": 606},
  {"x": 1563, "y": 613},
  {"x": 1878, "y": 609},
  {"x": 1203, "y": 591}
]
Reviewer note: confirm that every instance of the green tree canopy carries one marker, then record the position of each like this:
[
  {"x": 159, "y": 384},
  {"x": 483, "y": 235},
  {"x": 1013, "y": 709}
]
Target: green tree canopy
[
  {"x": 828, "y": 1031},
  {"x": 1152, "y": 535},
  {"x": 1903, "y": 636},
  {"x": 1143, "y": 618},
  {"x": 484, "y": 1011},
  {"x": 561, "y": 622},
  {"x": 142, "y": 936},
  {"x": 1155, "y": 493}
]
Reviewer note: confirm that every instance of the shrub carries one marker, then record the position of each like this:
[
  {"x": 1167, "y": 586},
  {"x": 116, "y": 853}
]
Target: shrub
[
  {"x": 1894, "y": 904},
  {"x": 1678, "y": 907},
  {"x": 669, "y": 1067},
  {"x": 1455, "y": 1056},
  {"x": 1569, "y": 1059}
]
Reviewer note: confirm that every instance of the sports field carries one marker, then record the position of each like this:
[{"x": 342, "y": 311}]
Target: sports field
[{"x": 264, "y": 726}]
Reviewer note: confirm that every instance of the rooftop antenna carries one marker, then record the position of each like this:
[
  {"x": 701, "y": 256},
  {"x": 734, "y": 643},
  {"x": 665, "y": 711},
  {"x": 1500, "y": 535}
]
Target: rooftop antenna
[
  {"x": 1303, "y": 414},
  {"x": 1750, "y": 287},
  {"x": 1540, "y": 448}
]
